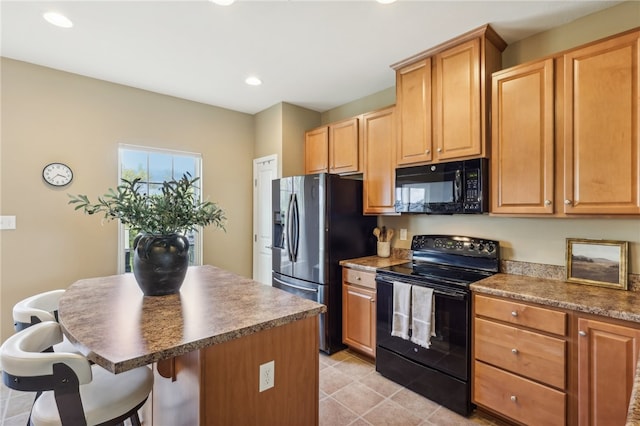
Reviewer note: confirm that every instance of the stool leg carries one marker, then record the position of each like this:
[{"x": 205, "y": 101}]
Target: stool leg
[{"x": 135, "y": 420}]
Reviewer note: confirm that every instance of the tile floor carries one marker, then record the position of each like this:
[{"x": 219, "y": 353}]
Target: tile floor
[{"x": 351, "y": 393}]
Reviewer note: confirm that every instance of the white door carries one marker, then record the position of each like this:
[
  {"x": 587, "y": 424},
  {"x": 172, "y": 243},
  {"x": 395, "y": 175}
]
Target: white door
[{"x": 265, "y": 169}]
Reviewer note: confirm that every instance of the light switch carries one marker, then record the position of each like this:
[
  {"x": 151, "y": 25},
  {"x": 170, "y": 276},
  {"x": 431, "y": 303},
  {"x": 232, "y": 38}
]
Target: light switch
[{"x": 7, "y": 222}]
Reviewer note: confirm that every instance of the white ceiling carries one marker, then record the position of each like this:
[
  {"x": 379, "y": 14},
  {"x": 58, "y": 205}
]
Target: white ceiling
[{"x": 316, "y": 54}]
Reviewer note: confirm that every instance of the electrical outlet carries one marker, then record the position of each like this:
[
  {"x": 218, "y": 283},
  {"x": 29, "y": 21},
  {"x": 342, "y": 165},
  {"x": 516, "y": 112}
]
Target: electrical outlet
[
  {"x": 267, "y": 376},
  {"x": 403, "y": 234}
]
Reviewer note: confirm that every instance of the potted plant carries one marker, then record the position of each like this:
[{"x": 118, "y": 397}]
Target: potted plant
[{"x": 161, "y": 250}]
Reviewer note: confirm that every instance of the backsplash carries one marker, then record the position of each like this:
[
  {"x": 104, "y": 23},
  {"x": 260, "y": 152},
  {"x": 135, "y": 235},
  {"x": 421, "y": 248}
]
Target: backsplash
[{"x": 538, "y": 270}]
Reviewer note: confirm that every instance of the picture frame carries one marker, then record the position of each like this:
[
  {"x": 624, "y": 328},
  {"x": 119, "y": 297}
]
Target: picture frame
[{"x": 597, "y": 262}]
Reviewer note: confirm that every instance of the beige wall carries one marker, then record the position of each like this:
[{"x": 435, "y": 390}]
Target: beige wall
[
  {"x": 378, "y": 100},
  {"x": 295, "y": 121},
  {"x": 613, "y": 20},
  {"x": 49, "y": 115},
  {"x": 268, "y": 133}
]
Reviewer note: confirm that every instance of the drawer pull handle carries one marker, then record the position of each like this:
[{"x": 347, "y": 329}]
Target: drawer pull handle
[
  {"x": 514, "y": 313},
  {"x": 358, "y": 278},
  {"x": 514, "y": 398},
  {"x": 514, "y": 351},
  {"x": 582, "y": 333}
]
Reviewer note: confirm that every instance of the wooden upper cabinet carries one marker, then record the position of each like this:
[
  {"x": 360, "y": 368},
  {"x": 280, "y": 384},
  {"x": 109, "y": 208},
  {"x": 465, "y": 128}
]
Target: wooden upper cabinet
[
  {"x": 344, "y": 148},
  {"x": 443, "y": 99},
  {"x": 607, "y": 358},
  {"x": 413, "y": 112},
  {"x": 522, "y": 138},
  {"x": 334, "y": 148},
  {"x": 316, "y": 150},
  {"x": 458, "y": 122},
  {"x": 379, "y": 174},
  {"x": 601, "y": 117}
]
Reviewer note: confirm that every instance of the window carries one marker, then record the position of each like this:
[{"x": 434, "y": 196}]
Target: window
[{"x": 154, "y": 166}]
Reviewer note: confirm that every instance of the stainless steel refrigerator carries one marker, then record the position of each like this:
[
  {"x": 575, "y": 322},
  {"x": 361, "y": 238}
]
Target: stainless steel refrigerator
[{"x": 317, "y": 222}]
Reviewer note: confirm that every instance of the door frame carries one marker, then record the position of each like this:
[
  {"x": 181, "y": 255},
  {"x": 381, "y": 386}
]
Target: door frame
[{"x": 255, "y": 250}]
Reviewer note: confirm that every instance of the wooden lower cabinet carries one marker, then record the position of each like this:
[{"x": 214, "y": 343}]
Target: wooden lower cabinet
[
  {"x": 607, "y": 358},
  {"x": 520, "y": 362},
  {"x": 219, "y": 385},
  {"x": 359, "y": 311}
]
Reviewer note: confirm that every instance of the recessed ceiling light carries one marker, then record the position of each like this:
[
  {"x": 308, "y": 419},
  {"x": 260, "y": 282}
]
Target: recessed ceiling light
[
  {"x": 386, "y": 1},
  {"x": 57, "y": 19},
  {"x": 253, "y": 81},
  {"x": 222, "y": 2}
]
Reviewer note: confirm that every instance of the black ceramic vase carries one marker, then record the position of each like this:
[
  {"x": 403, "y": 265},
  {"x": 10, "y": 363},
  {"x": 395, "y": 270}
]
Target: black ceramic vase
[{"x": 160, "y": 263}]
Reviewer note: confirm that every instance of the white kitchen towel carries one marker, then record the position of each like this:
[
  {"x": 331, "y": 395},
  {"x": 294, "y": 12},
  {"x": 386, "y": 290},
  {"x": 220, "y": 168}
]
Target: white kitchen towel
[
  {"x": 401, "y": 310},
  {"x": 422, "y": 316}
]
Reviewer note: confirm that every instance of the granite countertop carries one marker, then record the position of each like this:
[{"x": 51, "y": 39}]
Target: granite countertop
[
  {"x": 371, "y": 263},
  {"x": 118, "y": 328},
  {"x": 606, "y": 302}
]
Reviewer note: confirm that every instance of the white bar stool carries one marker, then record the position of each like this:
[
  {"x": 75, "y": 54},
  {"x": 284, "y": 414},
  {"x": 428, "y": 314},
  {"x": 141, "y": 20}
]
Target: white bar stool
[
  {"x": 40, "y": 308},
  {"x": 74, "y": 392}
]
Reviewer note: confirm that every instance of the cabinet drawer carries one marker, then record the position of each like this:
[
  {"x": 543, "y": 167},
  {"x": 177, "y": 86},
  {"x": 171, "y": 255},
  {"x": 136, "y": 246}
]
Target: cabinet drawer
[
  {"x": 361, "y": 278},
  {"x": 518, "y": 398},
  {"x": 530, "y": 354},
  {"x": 535, "y": 317}
]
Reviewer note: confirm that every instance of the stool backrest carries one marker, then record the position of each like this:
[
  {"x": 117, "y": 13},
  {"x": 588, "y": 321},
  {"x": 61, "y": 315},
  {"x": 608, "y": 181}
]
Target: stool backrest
[{"x": 39, "y": 308}]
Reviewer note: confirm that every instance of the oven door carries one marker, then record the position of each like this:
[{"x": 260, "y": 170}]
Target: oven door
[{"x": 450, "y": 347}]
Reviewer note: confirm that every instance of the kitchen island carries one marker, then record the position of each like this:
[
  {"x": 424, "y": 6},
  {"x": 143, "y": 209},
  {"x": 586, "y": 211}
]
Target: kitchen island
[{"x": 207, "y": 344}]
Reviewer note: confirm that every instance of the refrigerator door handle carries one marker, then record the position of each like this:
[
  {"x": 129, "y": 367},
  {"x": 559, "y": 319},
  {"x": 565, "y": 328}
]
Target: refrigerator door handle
[
  {"x": 312, "y": 290},
  {"x": 289, "y": 227},
  {"x": 296, "y": 228}
]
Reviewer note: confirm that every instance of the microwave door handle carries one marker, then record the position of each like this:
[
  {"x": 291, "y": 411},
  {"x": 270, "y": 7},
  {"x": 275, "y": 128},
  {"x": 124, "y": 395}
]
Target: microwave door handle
[{"x": 458, "y": 187}]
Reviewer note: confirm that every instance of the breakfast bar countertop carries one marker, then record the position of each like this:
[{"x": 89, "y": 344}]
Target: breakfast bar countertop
[{"x": 118, "y": 328}]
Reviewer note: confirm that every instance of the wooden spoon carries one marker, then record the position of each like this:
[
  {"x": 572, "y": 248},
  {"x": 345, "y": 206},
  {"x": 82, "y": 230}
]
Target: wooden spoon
[
  {"x": 389, "y": 234},
  {"x": 376, "y": 232}
]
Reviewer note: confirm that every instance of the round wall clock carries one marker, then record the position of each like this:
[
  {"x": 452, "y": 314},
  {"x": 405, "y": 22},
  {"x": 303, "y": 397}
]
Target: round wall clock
[{"x": 57, "y": 174}]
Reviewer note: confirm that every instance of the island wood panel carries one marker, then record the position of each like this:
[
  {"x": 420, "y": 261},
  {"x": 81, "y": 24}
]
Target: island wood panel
[{"x": 230, "y": 378}]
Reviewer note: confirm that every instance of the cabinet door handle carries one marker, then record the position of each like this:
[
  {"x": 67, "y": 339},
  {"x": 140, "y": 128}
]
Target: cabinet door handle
[
  {"x": 439, "y": 149},
  {"x": 514, "y": 313},
  {"x": 428, "y": 151},
  {"x": 514, "y": 351},
  {"x": 582, "y": 333},
  {"x": 372, "y": 300},
  {"x": 547, "y": 202},
  {"x": 567, "y": 202},
  {"x": 514, "y": 398}
]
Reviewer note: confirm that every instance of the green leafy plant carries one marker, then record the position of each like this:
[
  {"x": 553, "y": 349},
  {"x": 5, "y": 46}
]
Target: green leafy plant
[{"x": 175, "y": 210}]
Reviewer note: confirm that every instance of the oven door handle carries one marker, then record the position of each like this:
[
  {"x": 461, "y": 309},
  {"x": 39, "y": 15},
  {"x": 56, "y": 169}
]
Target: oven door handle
[{"x": 457, "y": 295}]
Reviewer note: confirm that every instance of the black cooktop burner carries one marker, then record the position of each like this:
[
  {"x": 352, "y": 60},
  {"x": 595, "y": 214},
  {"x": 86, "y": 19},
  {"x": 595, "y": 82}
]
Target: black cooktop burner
[{"x": 449, "y": 259}]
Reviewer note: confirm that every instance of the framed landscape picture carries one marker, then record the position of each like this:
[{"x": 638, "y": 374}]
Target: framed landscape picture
[{"x": 597, "y": 262}]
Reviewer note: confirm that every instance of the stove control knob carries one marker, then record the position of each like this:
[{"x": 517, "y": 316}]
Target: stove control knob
[
  {"x": 490, "y": 248},
  {"x": 471, "y": 246},
  {"x": 480, "y": 247}
]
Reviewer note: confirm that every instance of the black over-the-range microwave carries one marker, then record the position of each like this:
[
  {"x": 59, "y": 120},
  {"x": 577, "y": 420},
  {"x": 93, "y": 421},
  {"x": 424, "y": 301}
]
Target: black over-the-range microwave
[{"x": 443, "y": 188}]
